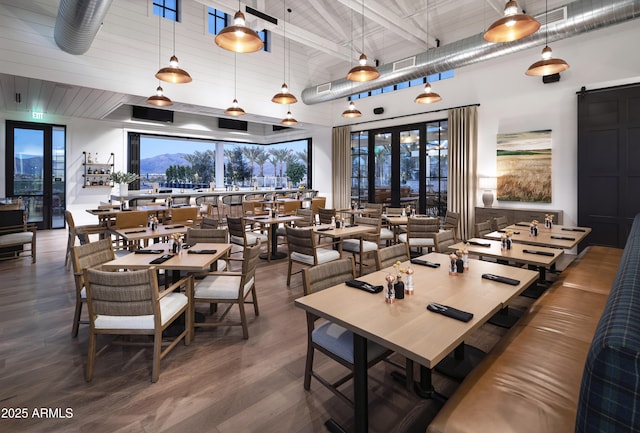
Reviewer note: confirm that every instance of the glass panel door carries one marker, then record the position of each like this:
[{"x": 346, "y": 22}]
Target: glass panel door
[
  {"x": 437, "y": 172},
  {"x": 382, "y": 168},
  {"x": 360, "y": 167},
  {"x": 35, "y": 171},
  {"x": 410, "y": 167}
]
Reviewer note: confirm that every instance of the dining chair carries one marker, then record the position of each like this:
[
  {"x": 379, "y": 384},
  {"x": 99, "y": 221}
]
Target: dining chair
[
  {"x": 216, "y": 236},
  {"x": 82, "y": 232},
  {"x": 442, "y": 240},
  {"x": 329, "y": 338},
  {"x": 326, "y": 214},
  {"x": 369, "y": 245},
  {"x": 452, "y": 222},
  {"x": 304, "y": 249},
  {"x": 232, "y": 205},
  {"x": 420, "y": 232},
  {"x": 130, "y": 303},
  {"x": 82, "y": 257},
  {"x": 388, "y": 256},
  {"x": 134, "y": 202},
  {"x": 182, "y": 200},
  {"x": 126, "y": 220},
  {"x": 251, "y": 208},
  {"x": 213, "y": 205},
  {"x": 375, "y": 209},
  {"x": 482, "y": 229},
  {"x": 231, "y": 288},
  {"x": 240, "y": 235},
  {"x": 317, "y": 203},
  {"x": 209, "y": 223},
  {"x": 184, "y": 215},
  {"x": 500, "y": 223},
  {"x": 307, "y": 215}
]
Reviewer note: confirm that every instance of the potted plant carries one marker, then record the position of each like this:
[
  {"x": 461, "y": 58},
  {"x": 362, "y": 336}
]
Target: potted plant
[{"x": 123, "y": 179}]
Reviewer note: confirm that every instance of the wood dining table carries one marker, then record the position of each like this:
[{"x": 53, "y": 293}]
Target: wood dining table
[
  {"x": 558, "y": 236},
  {"x": 406, "y": 326},
  {"x": 338, "y": 234},
  {"x": 272, "y": 223}
]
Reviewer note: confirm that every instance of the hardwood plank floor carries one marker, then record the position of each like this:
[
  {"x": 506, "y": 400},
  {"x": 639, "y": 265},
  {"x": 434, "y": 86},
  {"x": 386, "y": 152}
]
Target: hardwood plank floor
[{"x": 219, "y": 384}]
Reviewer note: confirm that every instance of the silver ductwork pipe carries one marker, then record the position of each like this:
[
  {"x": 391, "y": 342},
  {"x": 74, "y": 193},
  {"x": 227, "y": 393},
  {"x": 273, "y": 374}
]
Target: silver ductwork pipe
[
  {"x": 581, "y": 16},
  {"x": 78, "y": 22}
]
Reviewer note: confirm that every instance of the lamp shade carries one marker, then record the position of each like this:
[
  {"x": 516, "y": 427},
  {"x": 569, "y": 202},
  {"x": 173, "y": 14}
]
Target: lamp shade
[
  {"x": 512, "y": 26},
  {"x": 173, "y": 73},
  {"x": 428, "y": 96},
  {"x": 289, "y": 120},
  {"x": 284, "y": 97},
  {"x": 548, "y": 65},
  {"x": 159, "y": 100},
  {"x": 238, "y": 37},
  {"x": 362, "y": 72},
  {"x": 235, "y": 109},
  {"x": 352, "y": 111}
]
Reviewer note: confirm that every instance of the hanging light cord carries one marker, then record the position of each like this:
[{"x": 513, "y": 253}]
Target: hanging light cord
[{"x": 235, "y": 75}]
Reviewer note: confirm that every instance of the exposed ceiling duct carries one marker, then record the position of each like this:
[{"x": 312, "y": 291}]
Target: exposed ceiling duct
[
  {"x": 78, "y": 22},
  {"x": 570, "y": 20}
]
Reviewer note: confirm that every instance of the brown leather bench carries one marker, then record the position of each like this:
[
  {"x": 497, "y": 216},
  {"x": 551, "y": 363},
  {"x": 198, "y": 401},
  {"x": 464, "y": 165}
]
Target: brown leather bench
[{"x": 530, "y": 381}]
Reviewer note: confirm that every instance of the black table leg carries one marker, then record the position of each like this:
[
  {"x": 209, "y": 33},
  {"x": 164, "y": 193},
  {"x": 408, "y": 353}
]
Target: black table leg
[
  {"x": 504, "y": 318},
  {"x": 463, "y": 360},
  {"x": 275, "y": 254}
]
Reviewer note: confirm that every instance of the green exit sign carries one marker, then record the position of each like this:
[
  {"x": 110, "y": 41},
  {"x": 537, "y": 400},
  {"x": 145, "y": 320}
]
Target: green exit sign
[{"x": 37, "y": 115}]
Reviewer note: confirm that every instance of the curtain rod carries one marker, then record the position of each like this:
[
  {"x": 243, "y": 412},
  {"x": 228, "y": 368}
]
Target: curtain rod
[{"x": 410, "y": 115}]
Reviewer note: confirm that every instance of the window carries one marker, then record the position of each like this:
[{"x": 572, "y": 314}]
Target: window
[
  {"x": 412, "y": 83},
  {"x": 401, "y": 166},
  {"x": 166, "y": 9},
  {"x": 217, "y": 20},
  {"x": 177, "y": 162},
  {"x": 265, "y": 35}
]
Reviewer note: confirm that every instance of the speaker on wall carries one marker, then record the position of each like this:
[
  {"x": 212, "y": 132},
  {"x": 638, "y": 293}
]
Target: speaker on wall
[
  {"x": 553, "y": 78},
  {"x": 378, "y": 110},
  {"x": 153, "y": 114}
]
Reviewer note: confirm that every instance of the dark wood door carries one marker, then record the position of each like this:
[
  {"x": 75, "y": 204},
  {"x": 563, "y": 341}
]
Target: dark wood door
[{"x": 609, "y": 162}]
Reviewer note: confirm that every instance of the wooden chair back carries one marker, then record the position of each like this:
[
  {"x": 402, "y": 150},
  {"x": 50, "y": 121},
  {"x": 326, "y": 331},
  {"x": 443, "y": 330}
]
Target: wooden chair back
[
  {"x": 442, "y": 240},
  {"x": 421, "y": 227},
  {"x": 326, "y": 275},
  {"x": 500, "y": 223},
  {"x": 326, "y": 214},
  {"x": 184, "y": 214},
  {"x": 451, "y": 222},
  {"x": 218, "y": 236},
  {"x": 302, "y": 241},
  {"x": 317, "y": 203},
  {"x": 482, "y": 229},
  {"x": 387, "y": 256},
  {"x": 129, "y": 219},
  {"x": 307, "y": 214}
]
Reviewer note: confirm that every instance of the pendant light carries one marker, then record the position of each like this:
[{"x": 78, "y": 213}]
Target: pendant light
[
  {"x": 352, "y": 111},
  {"x": 284, "y": 97},
  {"x": 362, "y": 72},
  {"x": 512, "y": 26},
  {"x": 235, "y": 109},
  {"x": 548, "y": 65},
  {"x": 289, "y": 120},
  {"x": 428, "y": 96},
  {"x": 173, "y": 73},
  {"x": 238, "y": 37},
  {"x": 159, "y": 100}
]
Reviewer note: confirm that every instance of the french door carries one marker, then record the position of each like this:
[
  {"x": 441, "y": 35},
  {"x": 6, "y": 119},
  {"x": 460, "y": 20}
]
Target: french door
[{"x": 35, "y": 171}]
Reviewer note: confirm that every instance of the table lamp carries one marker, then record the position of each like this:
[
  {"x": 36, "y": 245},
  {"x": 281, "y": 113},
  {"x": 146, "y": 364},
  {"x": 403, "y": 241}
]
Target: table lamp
[{"x": 487, "y": 184}]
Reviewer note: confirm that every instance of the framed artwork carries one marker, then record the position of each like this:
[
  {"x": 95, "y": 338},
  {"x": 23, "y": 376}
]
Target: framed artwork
[{"x": 524, "y": 166}]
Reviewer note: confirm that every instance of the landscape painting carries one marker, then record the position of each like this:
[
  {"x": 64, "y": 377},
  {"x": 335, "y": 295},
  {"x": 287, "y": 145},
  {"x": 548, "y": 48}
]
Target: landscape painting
[{"x": 524, "y": 166}]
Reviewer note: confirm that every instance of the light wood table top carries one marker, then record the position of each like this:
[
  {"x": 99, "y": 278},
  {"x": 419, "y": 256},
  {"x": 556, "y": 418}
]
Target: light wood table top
[
  {"x": 556, "y": 228},
  {"x": 343, "y": 232},
  {"x": 406, "y": 326},
  {"x": 551, "y": 238},
  {"x": 183, "y": 261},
  {"x": 516, "y": 253}
]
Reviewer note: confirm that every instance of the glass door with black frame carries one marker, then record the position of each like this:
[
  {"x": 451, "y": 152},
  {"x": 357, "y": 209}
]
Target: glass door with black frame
[{"x": 35, "y": 171}]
